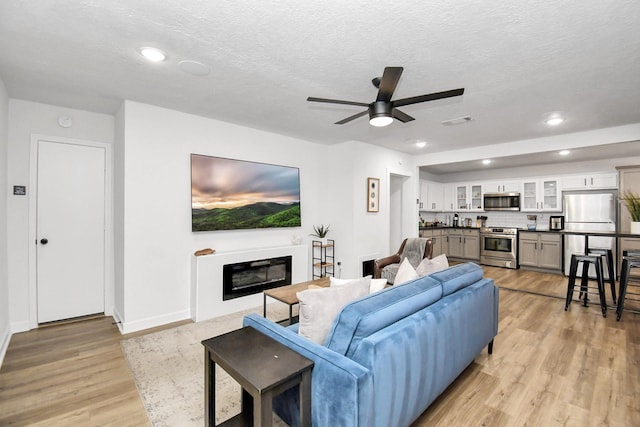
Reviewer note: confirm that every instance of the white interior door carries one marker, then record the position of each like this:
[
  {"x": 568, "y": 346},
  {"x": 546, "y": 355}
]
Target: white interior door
[{"x": 70, "y": 230}]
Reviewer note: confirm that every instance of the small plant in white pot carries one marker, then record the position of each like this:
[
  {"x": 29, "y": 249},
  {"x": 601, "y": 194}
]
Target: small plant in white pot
[
  {"x": 632, "y": 201},
  {"x": 320, "y": 231}
]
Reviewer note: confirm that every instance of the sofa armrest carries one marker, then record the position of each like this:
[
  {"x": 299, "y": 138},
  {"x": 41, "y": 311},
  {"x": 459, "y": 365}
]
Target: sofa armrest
[
  {"x": 381, "y": 263},
  {"x": 341, "y": 389}
]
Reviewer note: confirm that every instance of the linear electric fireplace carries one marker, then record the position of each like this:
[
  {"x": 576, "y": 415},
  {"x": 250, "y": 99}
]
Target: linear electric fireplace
[{"x": 252, "y": 277}]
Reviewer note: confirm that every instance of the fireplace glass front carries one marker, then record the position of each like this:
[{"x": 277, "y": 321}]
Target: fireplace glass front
[{"x": 252, "y": 277}]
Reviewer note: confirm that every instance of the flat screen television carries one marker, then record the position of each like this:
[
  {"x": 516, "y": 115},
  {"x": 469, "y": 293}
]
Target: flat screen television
[{"x": 228, "y": 194}]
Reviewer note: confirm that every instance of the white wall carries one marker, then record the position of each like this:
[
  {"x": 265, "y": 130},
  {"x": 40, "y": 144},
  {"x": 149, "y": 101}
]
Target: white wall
[
  {"x": 359, "y": 233},
  {"x": 27, "y": 118},
  {"x": 5, "y": 328},
  {"x": 155, "y": 230}
]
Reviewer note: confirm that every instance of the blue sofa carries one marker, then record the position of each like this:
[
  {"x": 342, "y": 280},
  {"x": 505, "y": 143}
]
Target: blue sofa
[{"x": 390, "y": 354}]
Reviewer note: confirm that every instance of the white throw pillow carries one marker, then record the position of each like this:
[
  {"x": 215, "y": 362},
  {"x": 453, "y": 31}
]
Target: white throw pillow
[
  {"x": 405, "y": 273},
  {"x": 428, "y": 266},
  {"x": 376, "y": 284},
  {"x": 319, "y": 307}
]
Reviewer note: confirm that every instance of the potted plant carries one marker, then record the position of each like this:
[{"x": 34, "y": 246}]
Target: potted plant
[
  {"x": 320, "y": 231},
  {"x": 632, "y": 201}
]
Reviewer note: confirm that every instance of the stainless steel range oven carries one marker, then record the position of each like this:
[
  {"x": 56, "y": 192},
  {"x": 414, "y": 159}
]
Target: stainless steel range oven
[{"x": 499, "y": 247}]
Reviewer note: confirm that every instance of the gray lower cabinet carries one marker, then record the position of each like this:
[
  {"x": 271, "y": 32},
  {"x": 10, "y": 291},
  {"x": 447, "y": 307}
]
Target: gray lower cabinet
[
  {"x": 437, "y": 240},
  {"x": 464, "y": 244},
  {"x": 540, "y": 250}
]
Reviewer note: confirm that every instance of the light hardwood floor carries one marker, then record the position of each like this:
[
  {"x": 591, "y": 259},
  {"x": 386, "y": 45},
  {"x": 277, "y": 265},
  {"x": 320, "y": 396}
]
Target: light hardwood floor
[{"x": 549, "y": 367}]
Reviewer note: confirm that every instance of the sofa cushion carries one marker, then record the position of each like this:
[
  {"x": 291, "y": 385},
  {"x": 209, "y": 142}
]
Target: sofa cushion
[
  {"x": 318, "y": 307},
  {"x": 457, "y": 277},
  {"x": 362, "y": 317}
]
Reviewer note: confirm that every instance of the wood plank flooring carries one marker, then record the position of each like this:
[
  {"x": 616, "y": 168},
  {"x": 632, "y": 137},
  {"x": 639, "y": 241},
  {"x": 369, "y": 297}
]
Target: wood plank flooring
[{"x": 549, "y": 367}]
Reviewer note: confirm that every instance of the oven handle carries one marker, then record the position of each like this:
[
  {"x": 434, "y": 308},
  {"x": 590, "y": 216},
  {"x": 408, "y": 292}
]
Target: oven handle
[{"x": 500, "y": 236}]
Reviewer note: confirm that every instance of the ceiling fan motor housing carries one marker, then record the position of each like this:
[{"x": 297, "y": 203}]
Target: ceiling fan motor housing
[{"x": 380, "y": 109}]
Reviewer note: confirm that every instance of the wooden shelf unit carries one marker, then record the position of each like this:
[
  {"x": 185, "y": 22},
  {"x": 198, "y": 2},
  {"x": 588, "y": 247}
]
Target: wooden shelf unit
[{"x": 323, "y": 258}]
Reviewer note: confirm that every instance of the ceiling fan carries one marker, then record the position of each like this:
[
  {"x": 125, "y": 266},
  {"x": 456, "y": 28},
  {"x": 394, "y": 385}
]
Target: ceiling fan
[{"x": 383, "y": 110}]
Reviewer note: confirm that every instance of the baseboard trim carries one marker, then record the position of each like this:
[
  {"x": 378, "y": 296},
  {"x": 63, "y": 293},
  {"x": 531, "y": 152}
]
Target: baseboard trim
[
  {"x": 150, "y": 322},
  {"x": 22, "y": 326},
  {"x": 6, "y": 337}
]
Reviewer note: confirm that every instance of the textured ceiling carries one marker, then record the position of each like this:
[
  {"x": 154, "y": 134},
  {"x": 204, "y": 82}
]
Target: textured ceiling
[{"x": 516, "y": 60}]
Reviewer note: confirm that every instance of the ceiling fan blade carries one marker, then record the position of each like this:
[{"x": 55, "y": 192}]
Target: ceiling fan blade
[
  {"x": 399, "y": 115},
  {"x": 348, "y": 119},
  {"x": 388, "y": 83},
  {"x": 336, "y": 101},
  {"x": 429, "y": 97}
]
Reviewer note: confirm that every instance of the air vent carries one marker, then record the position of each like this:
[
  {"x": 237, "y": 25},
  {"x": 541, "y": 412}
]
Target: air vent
[{"x": 457, "y": 121}]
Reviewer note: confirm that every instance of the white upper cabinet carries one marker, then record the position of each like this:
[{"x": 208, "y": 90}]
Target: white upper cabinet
[
  {"x": 431, "y": 196},
  {"x": 468, "y": 197},
  {"x": 449, "y": 196},
  {"x": 502, "y": 186},
  {"x": 541, "y": 195},
  {"x": 590, "y": 182}
]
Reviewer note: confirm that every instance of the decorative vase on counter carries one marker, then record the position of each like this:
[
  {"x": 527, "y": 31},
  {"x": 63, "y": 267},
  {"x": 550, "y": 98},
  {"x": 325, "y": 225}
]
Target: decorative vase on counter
[{"x": 635, "y": 227}]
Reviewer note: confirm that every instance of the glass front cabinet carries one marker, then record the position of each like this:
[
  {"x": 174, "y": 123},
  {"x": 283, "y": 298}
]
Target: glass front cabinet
[{"x": 541, "y": 195}]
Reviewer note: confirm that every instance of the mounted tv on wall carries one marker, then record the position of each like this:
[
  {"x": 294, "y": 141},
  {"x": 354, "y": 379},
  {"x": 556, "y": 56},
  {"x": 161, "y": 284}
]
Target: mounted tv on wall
[{"x": 228, "y": 194}]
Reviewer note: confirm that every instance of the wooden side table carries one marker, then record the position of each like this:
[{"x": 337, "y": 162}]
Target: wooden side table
[{"x": 263, "y": 367}]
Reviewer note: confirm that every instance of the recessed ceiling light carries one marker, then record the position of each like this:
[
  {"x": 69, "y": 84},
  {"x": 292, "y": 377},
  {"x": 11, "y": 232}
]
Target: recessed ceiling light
[
  {"x": 486, "y": 161},
  {"x": 564, "y": 152},
  {"x": 554, "y": 121},
  {"x": 152, "y": 54},
  {"x": 553, "y": 118},
  {"x": 421, "y": 144}
]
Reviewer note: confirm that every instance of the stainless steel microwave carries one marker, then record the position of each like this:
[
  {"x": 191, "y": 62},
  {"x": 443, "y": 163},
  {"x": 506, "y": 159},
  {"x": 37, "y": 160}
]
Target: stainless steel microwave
[{"x": 502, "y": 201}]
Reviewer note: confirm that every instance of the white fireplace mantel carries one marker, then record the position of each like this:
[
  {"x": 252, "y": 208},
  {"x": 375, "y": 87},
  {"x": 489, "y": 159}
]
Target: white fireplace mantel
[{"x": 206, "y": 279}]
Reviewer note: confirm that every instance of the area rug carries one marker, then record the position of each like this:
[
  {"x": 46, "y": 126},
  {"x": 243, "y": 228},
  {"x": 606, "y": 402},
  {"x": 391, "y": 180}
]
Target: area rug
[{"x": 168, "y": 368}]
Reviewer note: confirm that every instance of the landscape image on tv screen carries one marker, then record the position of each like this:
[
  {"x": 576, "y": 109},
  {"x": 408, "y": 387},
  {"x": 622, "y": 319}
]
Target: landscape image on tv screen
[{"x": 229, "y": 194}]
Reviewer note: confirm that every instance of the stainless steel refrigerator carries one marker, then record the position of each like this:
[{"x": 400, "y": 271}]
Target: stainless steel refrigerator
[{"x": 589, "y": 211}]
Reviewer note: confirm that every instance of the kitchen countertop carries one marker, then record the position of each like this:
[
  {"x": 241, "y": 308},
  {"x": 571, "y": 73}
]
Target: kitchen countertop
[{"x": 446, "y": 227}]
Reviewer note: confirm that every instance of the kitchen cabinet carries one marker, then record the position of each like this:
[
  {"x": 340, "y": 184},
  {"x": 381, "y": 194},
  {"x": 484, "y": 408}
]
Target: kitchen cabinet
[
  {"x": 463, "y": 243},
  {"x": 541, "y": 195},
  {"x": 468, "y": 197},
  {"x": 540, "y": 250},
  {"x": 449, "y": 197},
  {"x": 590, "y": 182},
  {"x": 502, "y": 187},
  {"x": 431, "y": 196},
  {"x": 437, "y": 239}
]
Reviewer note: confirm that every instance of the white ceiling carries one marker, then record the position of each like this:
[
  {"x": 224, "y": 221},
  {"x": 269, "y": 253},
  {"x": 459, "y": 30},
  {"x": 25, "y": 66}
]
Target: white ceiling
[{"x": 517, "y": 61}]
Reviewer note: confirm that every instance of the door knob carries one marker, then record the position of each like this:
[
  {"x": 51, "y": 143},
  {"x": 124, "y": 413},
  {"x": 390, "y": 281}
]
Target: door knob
[{"x": 44, "y": 241}]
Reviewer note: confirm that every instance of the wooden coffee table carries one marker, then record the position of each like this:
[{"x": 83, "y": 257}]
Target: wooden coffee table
[{"x": 287, "y": 295}]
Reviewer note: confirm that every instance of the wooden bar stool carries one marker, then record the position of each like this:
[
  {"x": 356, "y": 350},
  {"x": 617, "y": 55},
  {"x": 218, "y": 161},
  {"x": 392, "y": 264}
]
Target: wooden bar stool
[
  {"x": 607, "y": 255},
  {"x": 630, "y": 259},
  {"x": 586, "y": 260}
]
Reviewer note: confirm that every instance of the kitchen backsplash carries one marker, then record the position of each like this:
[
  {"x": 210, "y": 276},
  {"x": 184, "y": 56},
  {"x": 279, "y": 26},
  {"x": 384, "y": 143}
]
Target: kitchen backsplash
[{"x": 495, "y": 218}]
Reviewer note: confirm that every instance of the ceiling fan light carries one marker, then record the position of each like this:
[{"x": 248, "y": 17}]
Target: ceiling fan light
[
  {"x": 380, "y": 121},
  {"x": 380, "y": 114}
]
